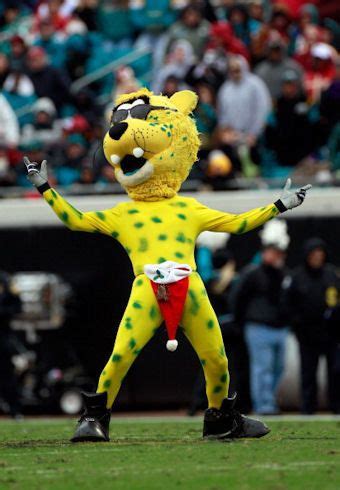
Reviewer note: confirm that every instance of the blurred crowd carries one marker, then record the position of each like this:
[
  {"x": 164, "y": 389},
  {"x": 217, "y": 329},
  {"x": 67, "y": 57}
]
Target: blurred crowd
[
  {"x": 267, "y": 75},
  {"x": 259, "y": 305}
]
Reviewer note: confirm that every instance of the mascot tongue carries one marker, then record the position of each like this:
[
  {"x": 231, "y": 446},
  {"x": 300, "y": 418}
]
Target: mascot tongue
[{"x": 170, "y": 281}]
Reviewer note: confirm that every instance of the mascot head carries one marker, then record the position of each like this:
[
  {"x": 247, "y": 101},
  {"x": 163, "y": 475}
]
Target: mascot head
[{"x": 152, "y": 143}]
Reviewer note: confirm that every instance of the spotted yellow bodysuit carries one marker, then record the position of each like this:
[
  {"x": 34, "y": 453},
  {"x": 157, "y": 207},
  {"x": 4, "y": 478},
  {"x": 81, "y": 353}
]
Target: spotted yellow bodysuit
[{"x": 153, "y": 232}]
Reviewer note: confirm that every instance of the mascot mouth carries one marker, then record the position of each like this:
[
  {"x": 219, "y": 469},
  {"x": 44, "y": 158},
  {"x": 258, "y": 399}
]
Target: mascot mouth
[
  {"x": 134, "y": 170},
  {"x": 131, "y": 164}
]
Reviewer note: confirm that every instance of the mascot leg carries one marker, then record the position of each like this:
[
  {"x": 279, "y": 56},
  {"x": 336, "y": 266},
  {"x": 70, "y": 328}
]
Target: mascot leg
[
  {"x": 200, "y": 324},
  {"x": 141, "y": 319}
]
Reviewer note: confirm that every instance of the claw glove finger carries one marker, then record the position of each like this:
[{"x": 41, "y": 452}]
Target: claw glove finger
[
  {"x": 291, "y": 199},
  {"x": 37, "y": 177}
]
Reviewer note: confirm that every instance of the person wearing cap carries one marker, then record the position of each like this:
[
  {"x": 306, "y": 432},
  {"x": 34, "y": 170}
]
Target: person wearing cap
[
  {"x": 272, "y": 69},
  {"x": 320, "y": 70},
  {"x": 258, "y": 307},
  {"x": 315, "y": 288}
]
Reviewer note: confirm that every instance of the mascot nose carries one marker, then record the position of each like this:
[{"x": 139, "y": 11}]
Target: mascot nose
[{"x": 117, "y": 130}]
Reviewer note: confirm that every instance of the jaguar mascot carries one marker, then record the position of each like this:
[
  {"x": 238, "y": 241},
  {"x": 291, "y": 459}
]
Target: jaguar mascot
[{"x": 152, "y": 144}]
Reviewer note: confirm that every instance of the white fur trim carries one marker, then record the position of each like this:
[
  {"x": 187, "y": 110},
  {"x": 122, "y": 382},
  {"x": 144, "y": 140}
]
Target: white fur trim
[
  {"x": 172, "y": 345},
  {"x": 167, "y": 272}
]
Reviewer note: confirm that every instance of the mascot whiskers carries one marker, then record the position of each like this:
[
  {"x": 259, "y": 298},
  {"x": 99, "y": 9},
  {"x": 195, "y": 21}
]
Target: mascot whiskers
[{"x": 152, "y": 144}]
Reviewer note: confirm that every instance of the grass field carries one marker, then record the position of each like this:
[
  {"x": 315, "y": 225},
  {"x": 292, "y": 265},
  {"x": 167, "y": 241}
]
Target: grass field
[{"x": 167, "y": 454}]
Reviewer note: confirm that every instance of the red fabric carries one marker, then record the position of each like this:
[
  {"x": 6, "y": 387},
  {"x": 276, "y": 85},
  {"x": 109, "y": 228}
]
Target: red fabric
[
  {"x": 222, "y": 35},
  {"x": 172, "y": 308}
]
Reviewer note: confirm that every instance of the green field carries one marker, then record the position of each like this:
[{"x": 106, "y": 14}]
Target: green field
[{"x": 167, "y": 454}]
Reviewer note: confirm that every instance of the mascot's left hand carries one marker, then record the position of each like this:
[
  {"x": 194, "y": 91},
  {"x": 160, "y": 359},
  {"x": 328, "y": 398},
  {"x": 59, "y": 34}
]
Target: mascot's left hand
[{"x": 291, "y": 199}]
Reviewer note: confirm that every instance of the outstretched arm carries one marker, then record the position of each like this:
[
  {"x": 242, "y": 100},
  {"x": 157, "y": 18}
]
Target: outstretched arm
[
  {"x": 73, "y": 218},
  {"x": 213, "y": 220}
]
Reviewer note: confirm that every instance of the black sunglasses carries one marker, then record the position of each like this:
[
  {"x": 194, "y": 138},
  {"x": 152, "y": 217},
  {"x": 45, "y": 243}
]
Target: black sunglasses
[{"x": 140, "y": 111}]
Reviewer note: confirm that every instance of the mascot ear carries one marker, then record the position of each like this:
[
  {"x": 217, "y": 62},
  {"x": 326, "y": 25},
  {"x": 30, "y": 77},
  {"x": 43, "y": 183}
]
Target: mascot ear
[{"x": 185, "y": 101}]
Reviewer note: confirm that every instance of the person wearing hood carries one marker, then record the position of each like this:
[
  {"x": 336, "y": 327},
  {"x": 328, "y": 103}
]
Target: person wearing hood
[
  {"x": 178, "y": 62},
  {"x": 46, "y": 128},
  {"x": 222, "y": 37},
  {"x": 257, "y": 306},
  {"x": 315, "y": 287}
]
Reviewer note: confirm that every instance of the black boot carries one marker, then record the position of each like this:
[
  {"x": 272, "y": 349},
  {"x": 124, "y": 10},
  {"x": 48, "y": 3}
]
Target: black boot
[
  {"x": 93, "y": 425},
  {"x": 228, "y": 423}
]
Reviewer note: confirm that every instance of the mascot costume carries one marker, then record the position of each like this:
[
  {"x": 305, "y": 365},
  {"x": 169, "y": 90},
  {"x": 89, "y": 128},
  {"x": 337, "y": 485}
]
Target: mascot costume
[{"x": 152, "y": 144}]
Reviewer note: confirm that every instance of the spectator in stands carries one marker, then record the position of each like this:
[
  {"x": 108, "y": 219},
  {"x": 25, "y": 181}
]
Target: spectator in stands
[
  {"x": 72, "y": 160},
  {"x": 256, "y": 16},
  {"x": 243, "y": 105},
  {"x": 13, "y": 20},
  {"x": 291, "y": 128},
  {"x": 77, "y": 49},
  {"x": 18, "y": 53},
  {"x": 86, "y": 10},
  {"x": 280, "y": 22},
  {"x": 271, "y": 70},
  {"x": 330, "y": 100},
  {"x": 171, "y": 86},
  {"x": 223, "y": 39},
  {"x": 58, "y": 11},
  {"x": 205, "y": 114},
  {"x": 48, "y": 81},
  {"x": 320, "y": 71},
  {"x": 257, "y": 305},
  {"x": 86, "y": 105},
  {"x": 307, "y": 32},
  {"x": 238, "y": 17},
  {"x": 126, "y": 81},
  {"x": 152, "y": 19},
  {"x": 314, "y": 288},
  {"x": 192, "y": 27},
  {"x": 19, "y": 84},
  {"x": 9, "y": 127},
  {"x": 211, "y": 69},
  {"x": 45, "y": 129},
  {"x": 177, "y": 64},
  {"x": 51, "y": 42},
  {"x": 87, "y": 175}
]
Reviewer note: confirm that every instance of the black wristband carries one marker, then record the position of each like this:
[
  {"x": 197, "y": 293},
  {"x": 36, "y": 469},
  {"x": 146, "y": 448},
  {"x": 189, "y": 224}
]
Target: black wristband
[
  {"x": 280, "y": 206},
  {"x": 44, "y": 187}
]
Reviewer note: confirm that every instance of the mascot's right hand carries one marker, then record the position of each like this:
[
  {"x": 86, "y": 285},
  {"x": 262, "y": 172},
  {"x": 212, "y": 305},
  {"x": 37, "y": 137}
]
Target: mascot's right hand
[{"x": 38, "y": 177}]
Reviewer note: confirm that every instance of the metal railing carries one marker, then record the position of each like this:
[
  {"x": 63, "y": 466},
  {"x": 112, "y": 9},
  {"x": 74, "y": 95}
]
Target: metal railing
[{"x": 106, "y": 69}]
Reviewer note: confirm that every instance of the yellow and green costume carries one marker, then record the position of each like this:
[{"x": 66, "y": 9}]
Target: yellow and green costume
[{"x": 153, "y": 232}]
